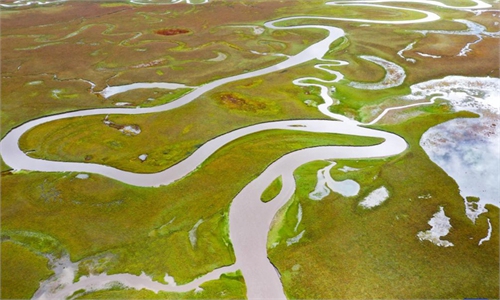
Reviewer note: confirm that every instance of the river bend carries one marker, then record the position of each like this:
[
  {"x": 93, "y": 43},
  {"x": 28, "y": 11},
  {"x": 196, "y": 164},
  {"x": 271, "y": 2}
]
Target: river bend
[{"x": 250, "y": 218}]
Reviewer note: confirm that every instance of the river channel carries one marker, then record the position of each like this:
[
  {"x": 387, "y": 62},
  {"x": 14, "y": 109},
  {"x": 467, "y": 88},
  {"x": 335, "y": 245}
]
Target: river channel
[{"x": 249, "y": 217}]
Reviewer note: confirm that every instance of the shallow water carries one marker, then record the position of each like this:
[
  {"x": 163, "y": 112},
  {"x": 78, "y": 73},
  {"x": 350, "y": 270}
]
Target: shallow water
[
  {"x": 249, "y": 218},
  {"x": 471, "y": 159},
  {"x": 346, "y": 188},
  {"x": 440, "y": 227},
  {"x": 467, "y": 149},
  {"x": 375, "y": 198}
]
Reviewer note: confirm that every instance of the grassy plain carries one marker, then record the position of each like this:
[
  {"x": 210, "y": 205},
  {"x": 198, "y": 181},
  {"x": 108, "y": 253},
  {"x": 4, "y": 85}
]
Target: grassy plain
[
  {"x": 133, "y": 224},
  {"x": 120, "y": 53},
  {"x": 29, "y": 267},
  {"x": 272, "y": 190},
  {"x": 346, "y": 251},
  {"x": 89, "y": 139},
  {"x": 106, "y": 50},
  {"x": 352, "y": 252}
]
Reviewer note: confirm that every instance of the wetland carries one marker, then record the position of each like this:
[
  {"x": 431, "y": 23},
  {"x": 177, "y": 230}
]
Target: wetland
[{"x": 250, "y": 149}]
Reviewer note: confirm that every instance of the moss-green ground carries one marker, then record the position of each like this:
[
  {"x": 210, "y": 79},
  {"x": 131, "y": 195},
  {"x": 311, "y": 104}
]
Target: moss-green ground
[
  {"x": 22, "y": 271},
  {"x": 351, "y": 252},
  {"x": 346, "y": 251},
  {"x": 272, "y": 190},
  {"x": 130, "y": 222}
]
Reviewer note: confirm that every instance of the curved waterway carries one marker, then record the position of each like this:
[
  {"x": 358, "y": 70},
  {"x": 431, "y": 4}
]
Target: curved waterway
[
  {"x": 18, "y": 160},
  {"x": 249, "y": 217}
]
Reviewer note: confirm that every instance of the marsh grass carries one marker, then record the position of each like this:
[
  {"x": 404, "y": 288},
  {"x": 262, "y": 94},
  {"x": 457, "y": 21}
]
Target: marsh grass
[
  {"x": 22, "y": 271},
  {"x": 272, "y": 190},
  {"x": 98, "y": 215},
  {"x": 346, "y": 251},
  {"x": 36, "y": 242},
  {"x": 173, "y": 253},
  {"x": 101, "y": 144},
  {"x": 352, "y": 252},
  {"x": 122, "y": 48},
  {"x": 4, "y": 166},
  {"x": 284, "y": 224},
  {"x": 88, "y": 139},
  {"x": 391, "y": 39},
  {"x": 351, "y": 11},
  {"x": 21, "y": 100}
]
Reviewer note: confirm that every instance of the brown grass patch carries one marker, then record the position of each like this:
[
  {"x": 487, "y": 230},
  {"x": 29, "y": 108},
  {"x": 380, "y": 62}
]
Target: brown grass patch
[
  {"x": 171, "y": 31},
  {"x": 238, "y": 102}
]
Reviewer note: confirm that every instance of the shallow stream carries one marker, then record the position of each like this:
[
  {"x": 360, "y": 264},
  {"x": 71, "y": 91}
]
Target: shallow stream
[{"x": 249, "y": 217}]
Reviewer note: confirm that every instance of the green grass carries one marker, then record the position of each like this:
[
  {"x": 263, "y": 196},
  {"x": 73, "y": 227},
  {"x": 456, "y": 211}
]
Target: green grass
[
  {"x": 283, "y": 225},
  {"x": 346, "y": 251},
  {"x": 353, "y": 253},
  {"x": 34, "y": 241},
  {"x": 3, "y": 165},
  {"x": 272, "y": 190},
  {"x": 92, "y": 141},
  {"x": 98, "y": 216},
  {"x": 173, "y": 253},
  {"x": 108, "y": 54},
  {"x": 115, "y": 149},
  {"x": 22, "y": 271}
]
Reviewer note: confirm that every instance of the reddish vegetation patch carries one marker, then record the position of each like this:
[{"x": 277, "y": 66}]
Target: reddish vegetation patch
[
  {"x": 234, "y": 101},
  {"x": 171, "y": 31}
]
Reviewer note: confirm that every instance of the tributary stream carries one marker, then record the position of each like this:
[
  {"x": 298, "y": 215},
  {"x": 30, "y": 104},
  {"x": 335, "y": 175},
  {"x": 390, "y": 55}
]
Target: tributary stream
[{"x": 249, "y": 218}]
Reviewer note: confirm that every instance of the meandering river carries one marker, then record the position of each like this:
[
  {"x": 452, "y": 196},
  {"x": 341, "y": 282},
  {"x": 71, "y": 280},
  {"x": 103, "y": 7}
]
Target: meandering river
[{"x": 249, "y": 217}]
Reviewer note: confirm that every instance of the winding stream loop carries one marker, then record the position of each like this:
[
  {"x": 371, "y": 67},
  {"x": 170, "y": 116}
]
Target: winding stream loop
[{"x": 250, "y": 218}]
